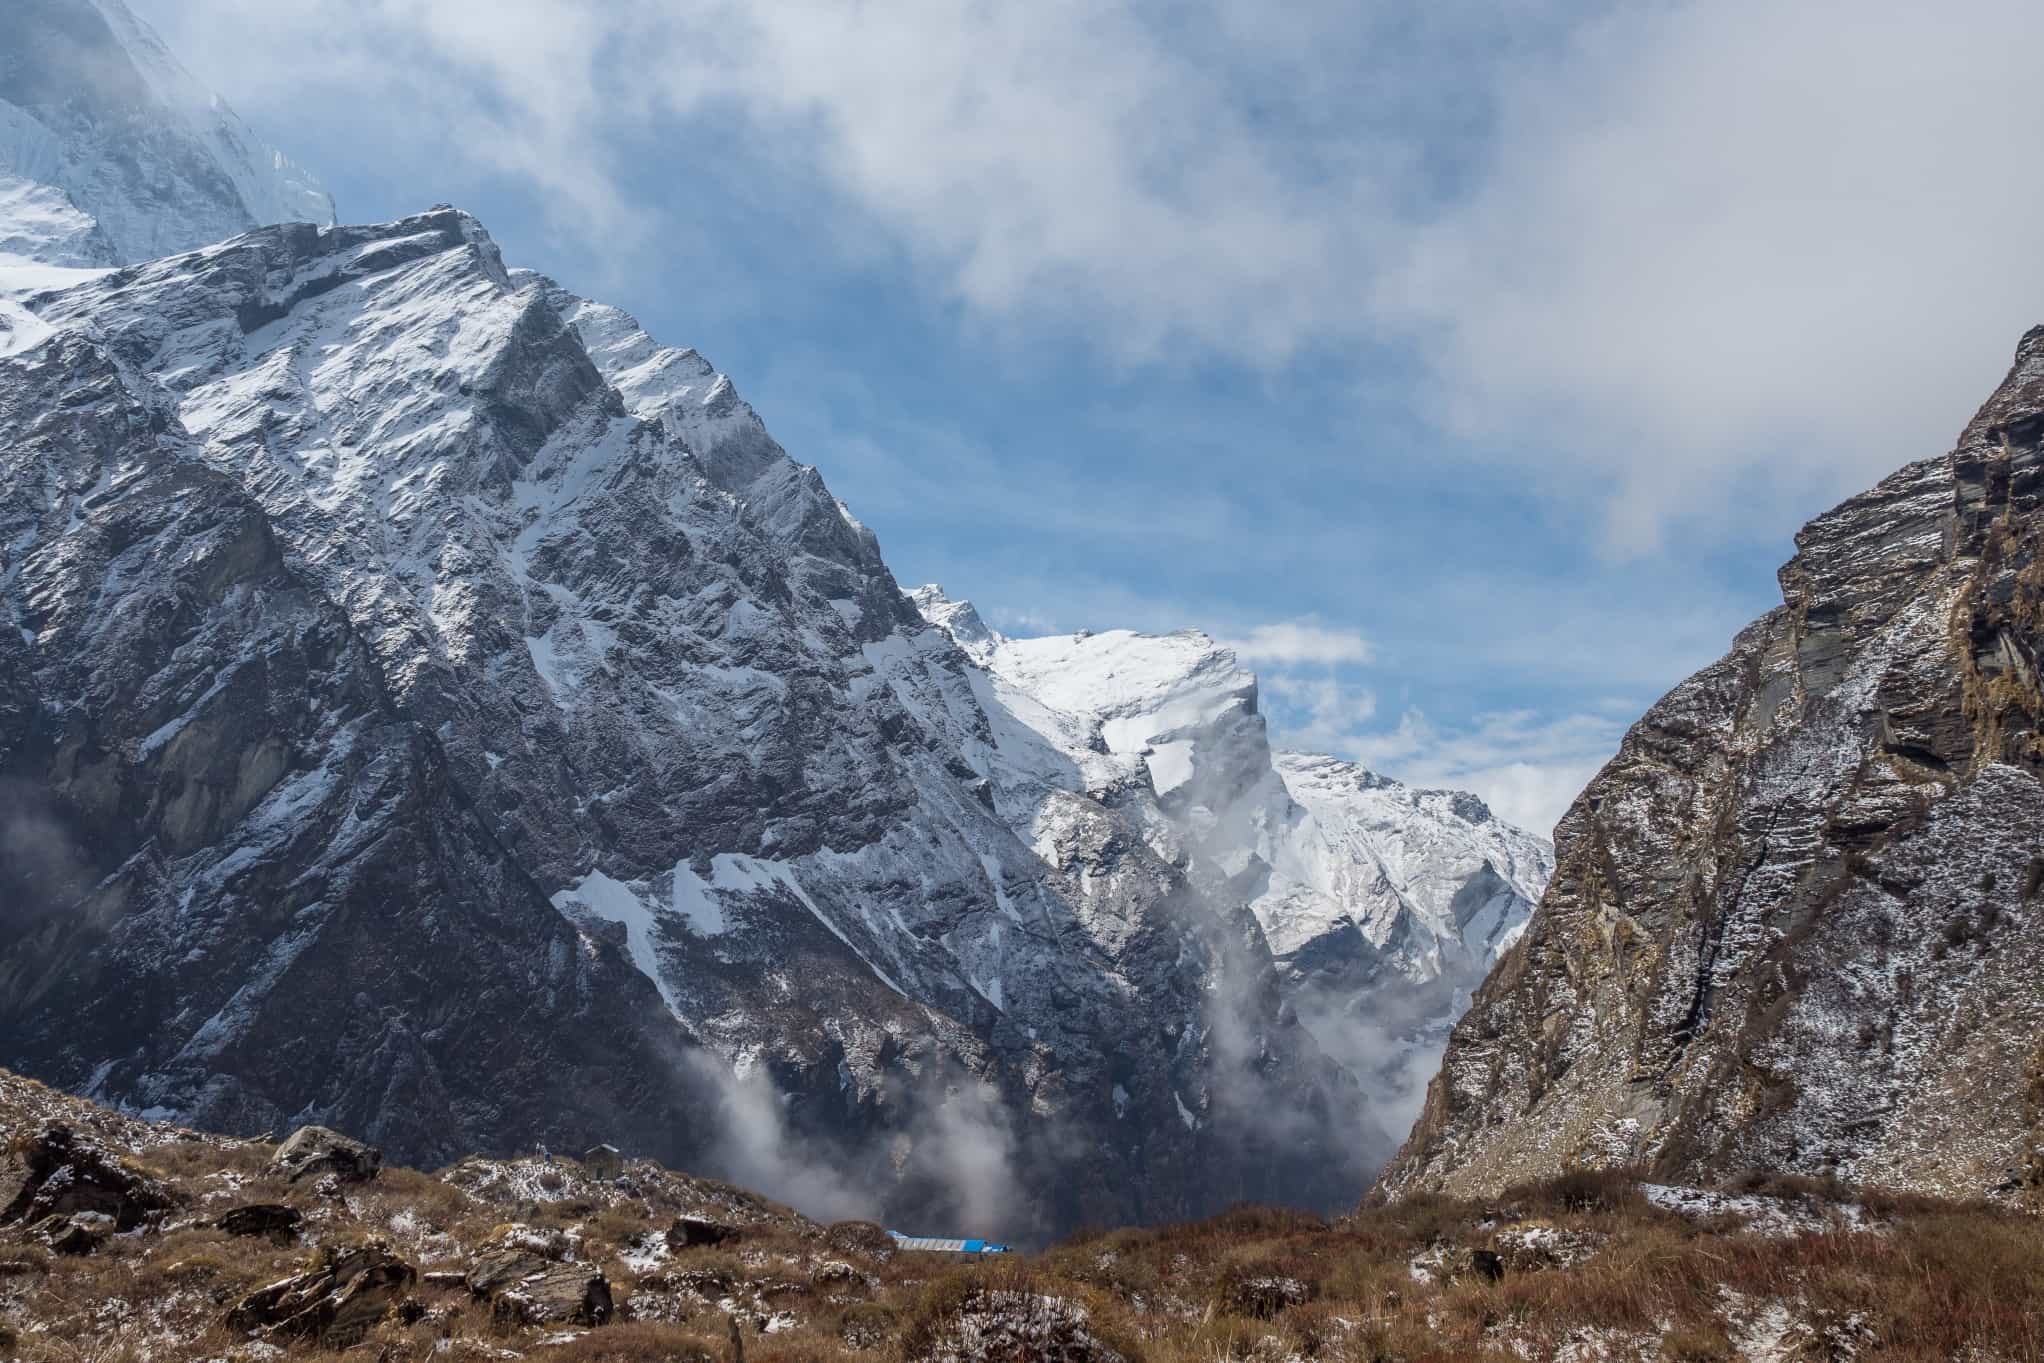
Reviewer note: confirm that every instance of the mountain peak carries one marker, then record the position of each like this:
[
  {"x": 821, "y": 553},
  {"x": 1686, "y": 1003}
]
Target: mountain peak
[{"x": 959, "y": 619}]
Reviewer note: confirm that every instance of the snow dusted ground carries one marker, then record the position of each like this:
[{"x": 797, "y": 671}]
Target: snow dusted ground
[{"x": 1760, "y": 1215}]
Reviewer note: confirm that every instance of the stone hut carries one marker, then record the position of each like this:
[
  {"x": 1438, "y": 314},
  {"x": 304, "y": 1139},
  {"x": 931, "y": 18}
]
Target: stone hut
[{"x": 603, "y": 1161}]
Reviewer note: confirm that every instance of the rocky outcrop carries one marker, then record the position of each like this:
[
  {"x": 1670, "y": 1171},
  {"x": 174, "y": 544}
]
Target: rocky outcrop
[
  {"x": 1794, "y": 924},
  {"x": 317, "y": 1150},
  {"x": 334, "y": 1303},
  {"x": 268, "y": 1220},
  {"x": 76, "y": 1233},
  {"x": 555, "y": 1294},
  {"x": 695, "y": 1232},
  {"x": 989, "y": 1325},
  {"x": 57, "y": 1173},
  {"x": 530, "y": 1278}
]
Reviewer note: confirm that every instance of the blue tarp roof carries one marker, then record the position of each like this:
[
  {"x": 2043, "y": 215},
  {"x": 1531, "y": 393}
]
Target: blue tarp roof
[{"x": 932, "y": 1242}]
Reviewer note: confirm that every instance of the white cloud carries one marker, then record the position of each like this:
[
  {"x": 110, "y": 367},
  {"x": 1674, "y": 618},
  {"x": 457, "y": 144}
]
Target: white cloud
[
  {"x": 1526, "y": 766},
  {"x": 1713, "y": 250},
  {"x": 1724, "y": 247},
  {"x": 1291, "y": 642},
  {"x": 1320, "y": 714}
]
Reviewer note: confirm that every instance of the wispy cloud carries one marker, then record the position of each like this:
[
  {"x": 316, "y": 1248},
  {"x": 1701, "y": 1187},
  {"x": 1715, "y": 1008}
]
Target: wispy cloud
[
  {"x": 1291, "y": 642},
  {"x": 1527, "y": 766},
  {"x": 1319, "y": 714},
  {"x": 1706, "y": 248}
]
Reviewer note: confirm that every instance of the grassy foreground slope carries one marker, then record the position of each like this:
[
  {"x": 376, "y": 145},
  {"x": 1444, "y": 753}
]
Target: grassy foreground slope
[{"x": 123, "y": 1240}]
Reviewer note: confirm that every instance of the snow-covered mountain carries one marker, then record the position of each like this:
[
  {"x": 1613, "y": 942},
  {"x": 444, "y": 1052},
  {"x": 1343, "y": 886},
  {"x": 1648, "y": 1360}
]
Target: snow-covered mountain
[
  {"x": 1383, "y": 906},
  {"x": 668, "y": 677},
  {"x": 439, "y": 708},
  {"x": 111, "y": 153}
]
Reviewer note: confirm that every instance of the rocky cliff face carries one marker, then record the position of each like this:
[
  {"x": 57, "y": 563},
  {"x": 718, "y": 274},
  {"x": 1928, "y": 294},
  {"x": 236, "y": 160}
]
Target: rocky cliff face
[
  {"x": 1795, "y": 923},
  {"x": 239, "y": 882}
]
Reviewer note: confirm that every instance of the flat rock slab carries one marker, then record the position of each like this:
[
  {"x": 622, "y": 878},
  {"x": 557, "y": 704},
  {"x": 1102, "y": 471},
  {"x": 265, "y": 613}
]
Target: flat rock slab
[{"x": 575, "y": 1294}]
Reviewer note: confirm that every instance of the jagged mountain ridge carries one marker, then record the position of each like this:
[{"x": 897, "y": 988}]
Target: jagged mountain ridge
[{"x": 1795, "y": 922}]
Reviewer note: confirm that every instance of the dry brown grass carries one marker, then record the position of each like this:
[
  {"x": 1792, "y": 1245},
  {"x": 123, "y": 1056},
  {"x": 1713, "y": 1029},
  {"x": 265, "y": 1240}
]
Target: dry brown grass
[{"x": 1935, "y": 1280}]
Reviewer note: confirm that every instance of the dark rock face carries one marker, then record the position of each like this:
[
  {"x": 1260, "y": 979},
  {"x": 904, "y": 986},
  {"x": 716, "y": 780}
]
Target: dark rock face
[
  {"x": 60, "y": 1174},
  {"x": 316, "y": 1150},
  {"x": 206, "y": 765},
  {"x": 1795, "y": 922}
]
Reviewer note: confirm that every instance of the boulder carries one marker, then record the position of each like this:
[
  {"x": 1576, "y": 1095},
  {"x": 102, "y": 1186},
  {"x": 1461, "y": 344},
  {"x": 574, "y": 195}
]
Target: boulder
[
  {"x": 998, "y": 1326},
  {"x": 516, "y": 1251},
  {"x": 76, "y": 1233},
  {"x": 315, "y": 1150},
  {"x": 1460, "y": 1263},
  {"x": 695, "y": 1232},
  {"x": 271, "y": 1220},
  {"x": 334, "y": 1304},
  {"x": 556, "y": 1294},
  {"x": 58, "y": 1172},
  {"x": 860, "y": 1237},
  {"x": 502, "y": 1267},
  {"x": 527, "y": 1279},
  {"x": 835, "y": 1275}
]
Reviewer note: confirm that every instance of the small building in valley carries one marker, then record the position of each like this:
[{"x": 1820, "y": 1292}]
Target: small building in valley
[{"x": 603, "y": 1161}]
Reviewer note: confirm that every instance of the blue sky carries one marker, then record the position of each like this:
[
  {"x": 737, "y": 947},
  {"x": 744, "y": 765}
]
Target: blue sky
[{"x": 1470, "y": 365}]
